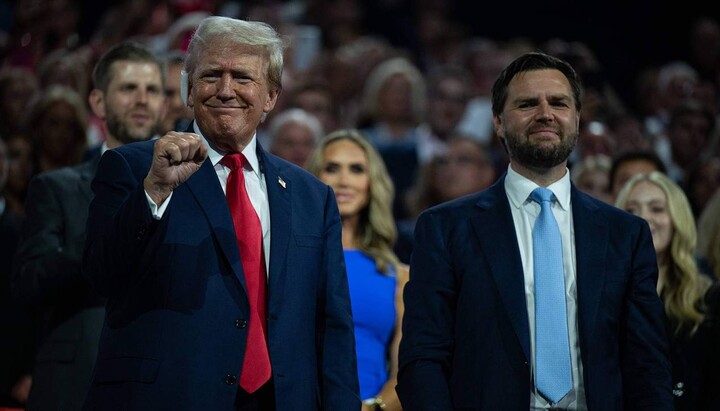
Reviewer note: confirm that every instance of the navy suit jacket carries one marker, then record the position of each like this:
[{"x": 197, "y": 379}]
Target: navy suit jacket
[
  {"x": 466, "y": 343},
  {"x": 176, "y": 323}
]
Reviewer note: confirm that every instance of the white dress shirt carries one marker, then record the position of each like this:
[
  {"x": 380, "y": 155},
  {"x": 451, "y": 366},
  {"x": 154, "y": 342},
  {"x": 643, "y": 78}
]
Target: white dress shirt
[
  {"x": 524, "y": 212},
  {"x": 254, "y": 184}
]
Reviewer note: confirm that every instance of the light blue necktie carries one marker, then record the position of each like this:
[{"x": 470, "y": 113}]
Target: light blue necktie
[{"x": 553, "y": 377}]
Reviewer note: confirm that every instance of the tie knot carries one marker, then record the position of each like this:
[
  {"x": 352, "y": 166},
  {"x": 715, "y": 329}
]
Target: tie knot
[
  {"x": 234, "y": 161},
  {"x": 542, "y": 195}
]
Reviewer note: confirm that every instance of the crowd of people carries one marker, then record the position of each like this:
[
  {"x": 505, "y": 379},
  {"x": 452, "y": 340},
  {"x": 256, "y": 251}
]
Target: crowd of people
[{"x": 124, "y": 284}]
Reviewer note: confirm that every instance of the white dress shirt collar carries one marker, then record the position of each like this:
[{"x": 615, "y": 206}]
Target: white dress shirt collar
[
  {"x": 518, "y": 188},
  {"x": 249, "y": 151}
]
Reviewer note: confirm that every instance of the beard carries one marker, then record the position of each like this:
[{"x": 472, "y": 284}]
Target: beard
[
  {"x": 120, "y": 130},
  {"x": 536, "y": 156}
]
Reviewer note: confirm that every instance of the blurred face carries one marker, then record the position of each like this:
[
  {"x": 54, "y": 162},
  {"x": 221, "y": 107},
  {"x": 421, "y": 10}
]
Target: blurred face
[
  {"x": 596, "y": 183},
  {"x": 294, "y": 142},
  {"x": 134, "y": 102},
  {"x": 20, "y": 167},
  {"x": 688, "y": 137},
  {"x": 648, "y": 201},
  {"x": 60, "y": 132},
  {"x": 539, "y": 121},
  {"x": 230, "y": 92},
  {"x": 394, "y": 99},
  {"x": 176, "y": 108},
  {"x": 628, "y": 169},
  {"x": 447, "y": 107},
  {"x": 345, "y": 169},
  {"x": 318, "y": 104},
  {"x": 16, "y": 100},
  {"x": 463, "y": 170}
]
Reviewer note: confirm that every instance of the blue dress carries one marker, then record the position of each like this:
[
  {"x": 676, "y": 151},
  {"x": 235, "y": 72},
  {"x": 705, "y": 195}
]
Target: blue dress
[{"x": 372, "y": 296}]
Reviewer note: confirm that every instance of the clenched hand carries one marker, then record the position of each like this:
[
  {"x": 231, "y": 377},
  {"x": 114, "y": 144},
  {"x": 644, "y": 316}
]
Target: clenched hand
[{"x": 176, "y": 157}]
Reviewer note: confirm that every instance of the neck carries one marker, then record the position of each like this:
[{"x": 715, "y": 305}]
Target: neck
[
  {"x": 112, "y": 142},
  {"x": 349, "y": 229},
  {"x": 541, "y": 176}
]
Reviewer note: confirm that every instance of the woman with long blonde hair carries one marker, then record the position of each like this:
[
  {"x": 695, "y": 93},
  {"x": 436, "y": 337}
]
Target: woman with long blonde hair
[
  {"x": 364, "y": 192},
  {"x": 692, "y": 301}
]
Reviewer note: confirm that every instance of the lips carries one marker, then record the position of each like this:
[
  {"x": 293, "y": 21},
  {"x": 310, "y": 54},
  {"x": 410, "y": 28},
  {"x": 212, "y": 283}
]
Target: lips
[{"x": 343, "y": 197}]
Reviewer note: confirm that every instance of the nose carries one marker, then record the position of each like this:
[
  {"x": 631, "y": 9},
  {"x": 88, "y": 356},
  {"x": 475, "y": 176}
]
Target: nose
[
  {"x": 225, "y": 87},
  {"x": 141, "y": 96},
  {"x": 544, "y": 111},
  {"x": 644, "y": 214}
]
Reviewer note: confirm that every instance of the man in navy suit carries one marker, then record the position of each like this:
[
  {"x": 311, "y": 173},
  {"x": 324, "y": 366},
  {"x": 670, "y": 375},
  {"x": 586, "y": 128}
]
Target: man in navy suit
[
  {"x": 469, "y": 332},
  {"x": 163, "y": 248}
]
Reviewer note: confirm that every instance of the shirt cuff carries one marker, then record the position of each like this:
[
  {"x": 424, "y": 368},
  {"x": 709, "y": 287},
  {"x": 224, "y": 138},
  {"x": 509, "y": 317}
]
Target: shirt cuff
[{"x": 157, "y": 212}]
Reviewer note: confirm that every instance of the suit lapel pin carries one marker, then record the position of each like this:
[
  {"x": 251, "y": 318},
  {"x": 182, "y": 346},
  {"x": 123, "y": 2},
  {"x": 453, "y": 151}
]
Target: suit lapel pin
[{"x": 281, "y": 182}]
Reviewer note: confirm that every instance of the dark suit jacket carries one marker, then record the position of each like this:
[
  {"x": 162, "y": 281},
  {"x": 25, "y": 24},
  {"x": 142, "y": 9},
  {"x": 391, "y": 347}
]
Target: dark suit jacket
[
  {"x": 175, "y": 329},
  {"x": 16, "y": 323},
  {"x": 47, "y": 277},
  {"x": 466, "y": 343}
]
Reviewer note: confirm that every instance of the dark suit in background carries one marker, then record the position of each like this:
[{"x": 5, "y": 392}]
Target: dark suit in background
[
  {"x": 47, "y": 276},
  {"x": 16, "y": 324}
]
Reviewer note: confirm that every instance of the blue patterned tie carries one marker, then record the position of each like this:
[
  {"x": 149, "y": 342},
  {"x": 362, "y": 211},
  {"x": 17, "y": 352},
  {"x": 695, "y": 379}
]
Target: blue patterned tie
[{"x": 553, "y": 377}]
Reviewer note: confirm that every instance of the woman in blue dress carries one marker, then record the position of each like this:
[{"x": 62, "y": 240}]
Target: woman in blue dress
[{"x": 352, "y": 167}]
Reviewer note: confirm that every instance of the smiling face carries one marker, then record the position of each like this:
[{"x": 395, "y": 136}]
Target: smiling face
[
  {"x": 230, "y": 92},
  {"x": 649, "y": 202},
  {"x": 539, "y": 121},
  {"x": 345, "y": 169}
]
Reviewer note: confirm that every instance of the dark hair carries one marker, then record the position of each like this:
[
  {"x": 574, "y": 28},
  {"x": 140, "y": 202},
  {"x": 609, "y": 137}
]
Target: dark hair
[
  {"x": 531, "y": 62},
  {"x": 642, "y": 155},
  {"x": 126, "y": 51}
]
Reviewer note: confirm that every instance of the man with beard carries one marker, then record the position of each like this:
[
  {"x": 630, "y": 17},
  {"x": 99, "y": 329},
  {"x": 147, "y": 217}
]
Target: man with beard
[
  {"x": 531, "y": 294},
  {"x": 129, "y": 97}
]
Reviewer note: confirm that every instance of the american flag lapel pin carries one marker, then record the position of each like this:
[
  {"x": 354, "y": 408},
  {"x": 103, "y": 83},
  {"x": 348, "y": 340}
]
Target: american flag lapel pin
[{"x": 281, "y": 182}]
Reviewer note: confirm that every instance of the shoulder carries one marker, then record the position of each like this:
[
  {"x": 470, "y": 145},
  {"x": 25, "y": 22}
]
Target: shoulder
[
  {"x": 293, "y": 173},
  {"x": 140, "y": 148},
  {"x": 402, "y": 271},
  {"x": 614, "y": 215}
]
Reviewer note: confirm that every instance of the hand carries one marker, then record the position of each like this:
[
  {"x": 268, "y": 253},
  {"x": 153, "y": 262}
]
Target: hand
[
  {"x": 21, "y": 390},
  {"x": 176, "y": 157}
]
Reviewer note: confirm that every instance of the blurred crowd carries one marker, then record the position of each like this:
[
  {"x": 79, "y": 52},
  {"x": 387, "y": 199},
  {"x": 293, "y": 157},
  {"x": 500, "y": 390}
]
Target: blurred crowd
[{"x": 424, "y": 103}]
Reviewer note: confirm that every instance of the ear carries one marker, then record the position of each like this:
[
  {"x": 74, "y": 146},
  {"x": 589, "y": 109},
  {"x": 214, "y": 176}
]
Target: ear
[
  {"x": 184, "y": 87},
  {"x": 96, "y": 99},
  {"x": 272, "y": 99},
  {"x": 497, "y": 124}
]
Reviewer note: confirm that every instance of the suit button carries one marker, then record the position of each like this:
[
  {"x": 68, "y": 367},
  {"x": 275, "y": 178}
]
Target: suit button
[
  {"x": 230, "y": 379},
  {"x": 240, "y": 323}
]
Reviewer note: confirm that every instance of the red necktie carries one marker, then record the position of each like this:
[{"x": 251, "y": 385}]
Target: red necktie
[{"x": 256, "y": 365}]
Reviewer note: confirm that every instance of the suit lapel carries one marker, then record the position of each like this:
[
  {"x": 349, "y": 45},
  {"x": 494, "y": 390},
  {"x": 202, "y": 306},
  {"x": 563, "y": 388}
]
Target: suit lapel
[
  {"x": 279, "y": 188},
  {"x": 87, "y": 172},
  {"x": 494, "y": 226},
  {"x": 205, "y": 187},
  {"x": 591, "y": 239}
]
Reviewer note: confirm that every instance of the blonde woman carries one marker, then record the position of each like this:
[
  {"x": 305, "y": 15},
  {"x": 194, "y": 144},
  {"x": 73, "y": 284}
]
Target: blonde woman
[
  {"x": 691, "y": 300},
  {"x": 364, "y": 192}
]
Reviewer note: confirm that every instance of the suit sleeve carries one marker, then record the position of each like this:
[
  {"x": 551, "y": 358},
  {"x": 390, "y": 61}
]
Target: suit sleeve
[
  {"x": 339, "y": 364},
  {"x": 427, "y": 342},
  {"x": 120, "y": 227},
  {"x": 647, "y": 380},
  {"x": 47, "y": 262}
]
